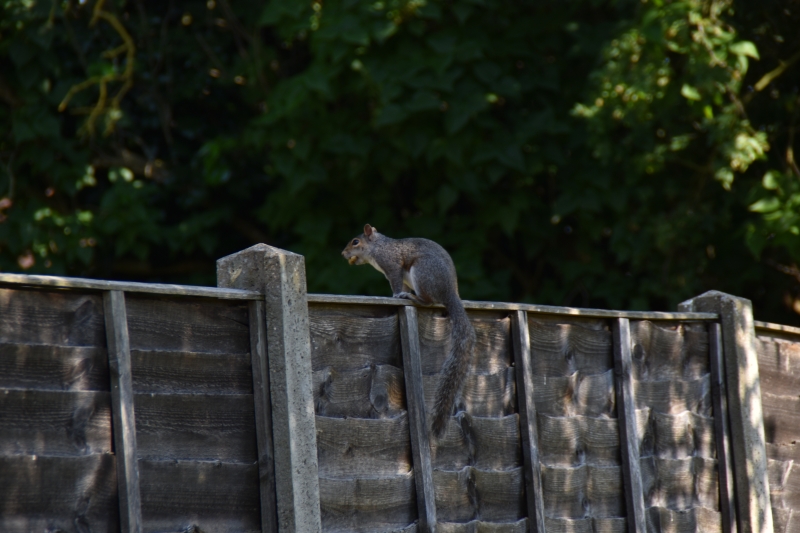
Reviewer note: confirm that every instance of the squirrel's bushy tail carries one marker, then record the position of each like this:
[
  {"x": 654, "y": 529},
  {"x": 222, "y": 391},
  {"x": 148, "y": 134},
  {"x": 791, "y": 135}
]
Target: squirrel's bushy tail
[{"x": 455, "y": 367}]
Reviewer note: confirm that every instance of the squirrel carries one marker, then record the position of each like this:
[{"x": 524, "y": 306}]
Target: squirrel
[{"x": 425, "y": 268}]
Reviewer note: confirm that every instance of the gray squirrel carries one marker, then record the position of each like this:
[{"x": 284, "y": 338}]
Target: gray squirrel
[{"x": 424, "y": 267}]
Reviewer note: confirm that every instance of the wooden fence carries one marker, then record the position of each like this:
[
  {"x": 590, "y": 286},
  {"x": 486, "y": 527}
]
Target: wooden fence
[{"x": 256, "y": 407}]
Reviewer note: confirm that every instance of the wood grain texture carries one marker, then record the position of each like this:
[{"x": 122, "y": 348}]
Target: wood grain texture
[
  {"x": 188, "y": 325},
  {"x": 784, "y": 484},
  {"x": 781, "y": 417},
  {"x": 211, "y": 496},
  {"x": 586, "y": 525},
  {"x": 680, "y": 435},
  {"x": 48, "y": 367},
  {"x": 680, "y": 484},
  {"x": 578, "y": 440},
  {"x": 576, "y": 395},
  {"x": 482, "y": 394},
  {"x": 56, "y": 318},
  {"x": 722, "y": 434},
  {"x": 492, "y": 347},
  {"x": 779, "y": 365},
  {"x": 375, "y": 391},
  {"x": 584, "y": 491},
  {"x": 478, "y": 526},
  {"x": 58, "y": 493},
  {"x": 347, "y": 342},
  {"x": 785, "y": 520},
  {"x": 663, "y": 351},
  {"x": 196, "y": 426},
  {"x": 486, "y": 443},
  {"x": 160, "y": 371},
  {"x": 55, "y": 423},
  {"x": 353, "y": 447},
  {"x": 474, "y": 494},
  {"x": 371, "y": 504},
  {"x": 673, "y": 397},
  {"x": 697, "y": 520},
  {"x": 122, "y": 411},
  {"x": 560, "y": 350}
]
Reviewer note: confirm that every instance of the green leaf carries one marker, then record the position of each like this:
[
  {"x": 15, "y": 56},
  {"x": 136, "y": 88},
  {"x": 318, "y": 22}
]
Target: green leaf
[
  {"x": 770, "y": 180},
  {"x": 689, "y": 92},
  {"x": 744, "y": 48},
  {"x": 765, "y": 205}
]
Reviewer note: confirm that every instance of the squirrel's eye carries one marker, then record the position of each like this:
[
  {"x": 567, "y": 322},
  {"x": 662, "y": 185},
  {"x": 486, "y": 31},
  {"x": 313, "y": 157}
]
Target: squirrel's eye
[{"x": 355, "y": 242}]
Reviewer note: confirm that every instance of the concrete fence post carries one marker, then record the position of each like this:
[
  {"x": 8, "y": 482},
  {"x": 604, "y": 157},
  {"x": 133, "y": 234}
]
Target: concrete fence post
[
  {"x": 744, "y": 406},
  {"x": 281, "y": 277}
]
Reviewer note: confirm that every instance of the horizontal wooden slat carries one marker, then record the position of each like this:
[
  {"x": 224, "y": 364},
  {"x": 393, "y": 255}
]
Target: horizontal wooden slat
[
  {"x": 187, "y": 325},
  {"x": 127, "y": 286},
  {"x": 482, "y": 394},
  {"x": 784, "y": 452},
  {"x": 478, "y": 526},
  {"x": 55, "y": 423},
  {"x": 58, "y": 494},
  {"x": 57, "y": 318},
  {"x": 344, "y": 341},
  {"x": 578, "y": 440},
  {"x": 530, "y": 308},
  {"x": 778, "y": 365},
  {"x": 680, "y": 483},
  {"x": 767, "y": 328},
  {"x": 560, "y": 350},
  {"x": 674, "y": 396},
  {"x": 781, "y": 417},
  {"x": 661, "y": 352},
  {"x": 785, "y": 520},
  {"x": 595, "y": 491},
  {"x": 190, "y": 372},
  {"x": 578, "y": 394},
  {"x": 353, "y": 447},
  {"x": 474, "y": 494},
  {"x": 492, "y": 346},
  {"x": 196, "y": 426},
  {"x": 212, "y": 496},
  {"x": 376, "y": 391},
  {"x": 486, "y": 443},
  {"x": 48, "y": 367},
  {"x": 370, "y": 504},
  {"x": 784, "y": 484},
  {"x": 586, "y": 525},
  {"x": 696, "y": 520},
  {"x": 681, "y": 435}
]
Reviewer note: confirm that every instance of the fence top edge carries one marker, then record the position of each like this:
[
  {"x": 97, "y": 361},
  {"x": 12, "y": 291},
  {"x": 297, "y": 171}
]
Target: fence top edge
[
  {"x": 530, "y": 308},
  {"x": 58, "y": 282},
  {"x": 769, "y": 326}
]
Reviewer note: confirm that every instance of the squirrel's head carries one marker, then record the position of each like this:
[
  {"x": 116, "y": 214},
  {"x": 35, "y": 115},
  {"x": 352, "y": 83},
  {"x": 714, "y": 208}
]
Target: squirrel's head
[{"x": 357, "y": 250}]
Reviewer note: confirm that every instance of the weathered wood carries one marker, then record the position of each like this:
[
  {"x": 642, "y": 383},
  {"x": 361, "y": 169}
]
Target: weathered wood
[
  {"x": 47, "y": 367},
  {"x": 682, "y": 435},
  {"x": 376, "y": 391},
  {"x": 779, "y": 365},
  {"x": 786, "y": 520},
  {"x": 745, "y": 411},
  {"x": 188, "y": 325},
  {"x": 493, "y": 343},
  {"x": 211, "y": 496},
  {"x": 784, "y": 483},
  {"x": 481, "y": 395},
  {"x": 680, "y": 483},
  {"x": 58, "y": 493},
  {"x": 775, "y": 328},
  {"x": 353, "y": 447},
  {"x": 351, "y": 342},
  {"x": 578, "y": 440},
  {"x": 417, "y": 419},
  {"x": 664, "y": 352},
  {"x": 126, "y": 286},
  {"x": 54, "y": 423},
  {"x": 530, "y": 308},
  {"x": 563, "y": 349},
  {"x": 675, "y": 396},
  {"x": 586, "y": 525},
  {"x": 159, "y": 371},
  {"x": 262, "y": 409},
  {"x": 281, "y": 277},
  {"x": 479, "y": 526},
  {"x": 631, "y": 470},
  {"x": 369, "y": 504},
  {"x": 56, "y": 318},
  {"x": 727, "y": 498},
  {"x": 587, "y": 490},
  {"x": 529, "y": 437},
  {"x": 475, "y": 494},
  {"x": 122, "y": 411},
  {"x": 196, "y": 426},
  {"x": 486, "y": 443},
  {"x": 578, "y": 394},
  {"x": 697, "y": 520}
]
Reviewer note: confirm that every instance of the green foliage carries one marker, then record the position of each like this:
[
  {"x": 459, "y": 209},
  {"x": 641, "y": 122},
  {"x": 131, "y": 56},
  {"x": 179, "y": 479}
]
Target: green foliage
[{"x": 612, "y": 154}]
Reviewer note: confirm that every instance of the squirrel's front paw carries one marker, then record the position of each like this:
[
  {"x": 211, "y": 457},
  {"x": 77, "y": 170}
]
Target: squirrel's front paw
[{"x": 405, "y": 295}]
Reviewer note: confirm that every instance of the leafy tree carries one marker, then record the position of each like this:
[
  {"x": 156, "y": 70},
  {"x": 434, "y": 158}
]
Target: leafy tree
[{"x": 612, "y": 154}]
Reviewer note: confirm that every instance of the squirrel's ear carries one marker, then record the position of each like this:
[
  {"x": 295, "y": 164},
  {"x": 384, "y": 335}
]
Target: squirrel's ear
[{"x": 367, "y": 230}]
